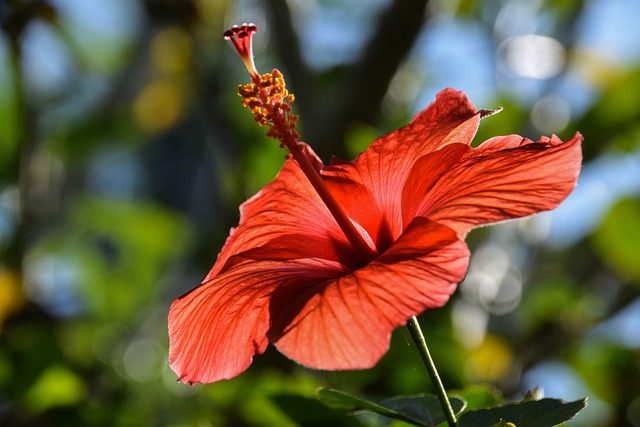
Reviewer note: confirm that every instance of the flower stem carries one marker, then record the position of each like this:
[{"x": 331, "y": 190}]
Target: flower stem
[{"x": 418, "y": 338}]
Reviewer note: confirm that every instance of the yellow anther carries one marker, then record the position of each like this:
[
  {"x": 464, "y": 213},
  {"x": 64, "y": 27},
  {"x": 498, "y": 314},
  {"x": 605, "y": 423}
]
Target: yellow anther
[{"x": 270, "y": 104}]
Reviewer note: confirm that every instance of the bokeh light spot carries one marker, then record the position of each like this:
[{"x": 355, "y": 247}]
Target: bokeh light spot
[
  {"x": 534, "y": 56},
  {"x": 492, "y": 282},
  {"x": 491, "y": 361},
  {"x": 551, "y": 114},
  {"x": 12, "y": 298},
  {"x": 158, "y": 106},
  {"x": 171, "y": 50},
  {"x": 469, "y": 323},
  {"x": 633, "y": 412},
  {"x": 142, "y": 360}
]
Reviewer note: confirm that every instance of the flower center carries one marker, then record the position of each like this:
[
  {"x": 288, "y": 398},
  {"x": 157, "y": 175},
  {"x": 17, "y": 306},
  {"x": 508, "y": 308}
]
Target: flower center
[{"x": 268, "y": 99}]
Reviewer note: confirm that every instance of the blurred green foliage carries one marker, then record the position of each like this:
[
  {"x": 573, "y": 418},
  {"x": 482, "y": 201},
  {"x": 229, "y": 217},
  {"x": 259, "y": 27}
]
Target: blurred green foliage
[{"x": 124, "y": 154}]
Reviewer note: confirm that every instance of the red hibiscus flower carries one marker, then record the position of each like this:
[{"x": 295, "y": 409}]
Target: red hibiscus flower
[{"x": 293, "y": 274}]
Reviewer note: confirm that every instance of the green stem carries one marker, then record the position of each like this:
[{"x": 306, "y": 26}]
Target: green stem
[
  {"x": 25, "y": 148},
  {"x": 418, "y": 338}
]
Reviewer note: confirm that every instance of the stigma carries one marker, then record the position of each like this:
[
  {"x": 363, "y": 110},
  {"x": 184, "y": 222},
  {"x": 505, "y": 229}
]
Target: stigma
[{"x": 241, "y": 37}]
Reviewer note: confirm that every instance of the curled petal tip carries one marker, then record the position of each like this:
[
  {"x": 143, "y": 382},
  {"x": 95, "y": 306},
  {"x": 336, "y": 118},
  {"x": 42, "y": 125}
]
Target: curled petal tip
[{"x": 486, "y": 113}]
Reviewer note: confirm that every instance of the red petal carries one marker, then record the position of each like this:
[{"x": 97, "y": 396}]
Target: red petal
[
  {"x": 216, "y": 329},
  {"x": 426, "y": 172},
  {"x": 346, "y": 323},
  {"x": 288, "y": 206},
  {"x": 369, "y": 188},
  {"x": 506, "y": 177}
]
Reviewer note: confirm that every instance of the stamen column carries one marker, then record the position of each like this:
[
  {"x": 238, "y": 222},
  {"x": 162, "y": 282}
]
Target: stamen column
[{"x": 268, "y": 100}]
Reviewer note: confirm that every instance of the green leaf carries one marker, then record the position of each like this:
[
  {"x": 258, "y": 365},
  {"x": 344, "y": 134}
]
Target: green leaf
[
  {"x": 479, "y": 396},
  {"x": 420, "y": 410},
  {"x": 532, "y": 413},
  {"x": 311, "y": 413}
]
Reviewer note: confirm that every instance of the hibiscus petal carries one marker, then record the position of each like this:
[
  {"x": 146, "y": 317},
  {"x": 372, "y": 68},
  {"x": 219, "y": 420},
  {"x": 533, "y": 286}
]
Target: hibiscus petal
[
  {"x": 294, "y": 247},
  {"x": 287, "y": 206},
  {"x": 506, "y": 177},
  {"x": 426, "y": 172},
  {"x": 216, "y": 329},
  {"x": 346, "y": 323},
  {"x": 369, "y": 188}
]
